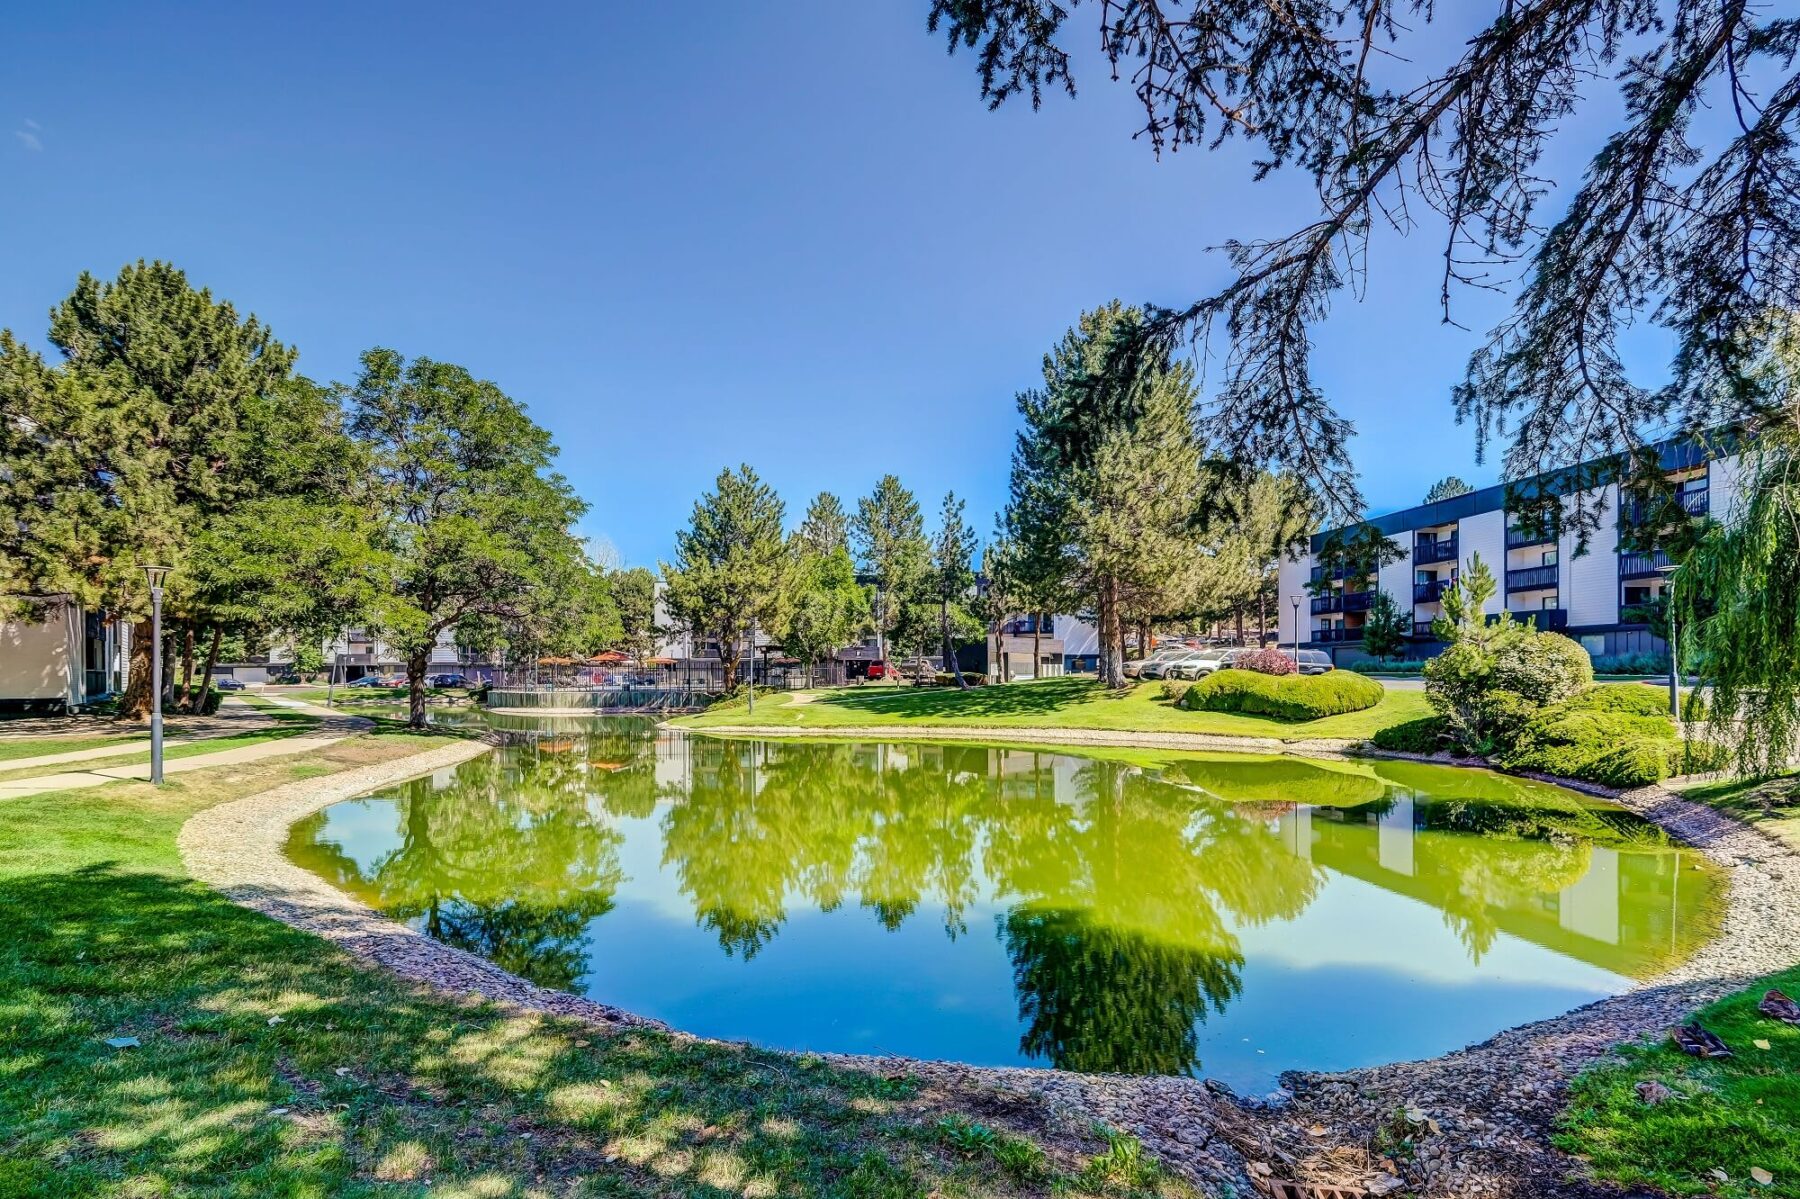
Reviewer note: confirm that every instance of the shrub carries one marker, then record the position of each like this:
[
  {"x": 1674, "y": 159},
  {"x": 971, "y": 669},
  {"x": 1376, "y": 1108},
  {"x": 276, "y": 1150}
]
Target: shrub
[
  {"x": 1175, "y": 690},
  {"x": 1613, "y": 736},
  {"x": 1296, "y": 697},
  {"x": 1631, "y": 664},
  {"x": 944, "y": 678},
  {"x": 1494, "y": 678},
  {"x": 1265, "y": 661},
  {"x": 1395, "y": 666},
  {"x": 1426, "y": 735}
]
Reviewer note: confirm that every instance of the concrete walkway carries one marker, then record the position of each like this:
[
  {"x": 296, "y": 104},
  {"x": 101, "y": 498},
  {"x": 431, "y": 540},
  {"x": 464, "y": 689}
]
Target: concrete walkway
[{"x": 332, "y": 729}]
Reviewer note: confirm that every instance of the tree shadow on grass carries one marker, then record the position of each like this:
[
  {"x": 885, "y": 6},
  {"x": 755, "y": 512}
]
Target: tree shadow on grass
[
  {"x": 1043, "y": 698},
  {"x": 270, "y": 1063}
]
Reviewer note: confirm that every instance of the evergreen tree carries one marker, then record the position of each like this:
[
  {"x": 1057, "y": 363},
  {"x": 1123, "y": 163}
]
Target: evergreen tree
[
  {"x": 125, "y": 452},
  {"x": 889, "y": 536},
  {"x": 477, "y": 523},
  {"x": 1107, "y": 472},
  {"x": 1447, "y": 488},
  {"x": 730, "y": 565},
  {"x": 1386, "y": 627},
  {"x": 1693, "y": 224},
  {"x": 952, "y": 552},
  {"x": 826, "y": 527}
]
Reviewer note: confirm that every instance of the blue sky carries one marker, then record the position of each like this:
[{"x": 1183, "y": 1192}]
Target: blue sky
[{"x": 684, "y": 235}]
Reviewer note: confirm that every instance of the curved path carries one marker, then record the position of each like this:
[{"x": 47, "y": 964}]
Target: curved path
[{"x": 1490, "y": 1105}]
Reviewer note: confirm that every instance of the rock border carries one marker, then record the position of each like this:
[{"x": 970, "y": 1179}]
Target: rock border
[{"x": 1491, "y": 1105}]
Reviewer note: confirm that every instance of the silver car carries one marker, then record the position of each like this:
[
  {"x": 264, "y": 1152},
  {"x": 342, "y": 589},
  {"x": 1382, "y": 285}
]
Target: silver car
[
  {"x": 1197, "y": 665},
  {"x": 1157, "y": 667}
]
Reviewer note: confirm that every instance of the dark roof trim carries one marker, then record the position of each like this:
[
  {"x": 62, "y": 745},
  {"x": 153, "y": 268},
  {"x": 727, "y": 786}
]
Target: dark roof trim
[{"x": 1677, "y": 453}]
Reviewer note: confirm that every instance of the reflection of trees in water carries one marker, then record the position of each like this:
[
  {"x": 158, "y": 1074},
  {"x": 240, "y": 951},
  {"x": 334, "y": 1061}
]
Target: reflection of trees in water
[
  {"x": 1109, "y": 1001},
  {"x": 1121, "y": 886},
  {"x": 509, "y": 861}
]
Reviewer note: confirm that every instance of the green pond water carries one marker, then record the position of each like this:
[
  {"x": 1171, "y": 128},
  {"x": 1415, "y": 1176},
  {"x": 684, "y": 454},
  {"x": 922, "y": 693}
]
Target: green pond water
[{"x": 1136, "y": 911}]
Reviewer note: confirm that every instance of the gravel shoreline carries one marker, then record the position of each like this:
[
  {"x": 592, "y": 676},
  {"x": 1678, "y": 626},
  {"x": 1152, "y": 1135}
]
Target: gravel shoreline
[{"x": 1484, "y": 1113}]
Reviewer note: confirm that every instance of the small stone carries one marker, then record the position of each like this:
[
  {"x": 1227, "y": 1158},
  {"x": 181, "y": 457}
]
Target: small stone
[
  {"x": 278, "y": 1111},
  {"x": 1762, "y": 1177},
  {"x": 123, "y": 1042},
  {"x": 1760, "y": 1043},
  {"x": 1652, "y": 1091},
  {"x": 274, "y": 1020},
  {"x": 1261, "y": 1169},
  {"x": 1384, "y": 1184}
]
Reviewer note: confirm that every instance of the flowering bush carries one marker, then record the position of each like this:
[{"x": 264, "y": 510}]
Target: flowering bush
[{"x": 1265, "y": 661}]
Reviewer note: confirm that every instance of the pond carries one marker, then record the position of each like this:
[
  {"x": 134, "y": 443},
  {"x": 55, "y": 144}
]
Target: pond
[{"x": 1134, "y": 911}]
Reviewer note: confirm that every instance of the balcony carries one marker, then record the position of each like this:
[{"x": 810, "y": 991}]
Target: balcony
[
  {"x": 1336, "y": 636},
  {"x": 1641, "y": 565},
  {"x": 1697, "y": 501},
  {"x": 1548, "y": 620},
  {"x": 1321, "y": 573},
  {"x": 1532, "y": 578},
  {"x": 1358, "y": 601},
  {"x": 1520, "y": 538},
  {"x": 1328, "y": 603},
  {"x": 1439, "y": 549},
  {"x": 1422, "y": 630},
  {"x": 1428, "y": 593}
]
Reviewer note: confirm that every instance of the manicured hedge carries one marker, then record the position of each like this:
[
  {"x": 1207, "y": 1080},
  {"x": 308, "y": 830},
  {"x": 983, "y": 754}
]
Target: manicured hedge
[
  {"x": 1426, "y": 735},
  {"x": 1285, "y": 697},
  {"x": 1614, "y": 736}
]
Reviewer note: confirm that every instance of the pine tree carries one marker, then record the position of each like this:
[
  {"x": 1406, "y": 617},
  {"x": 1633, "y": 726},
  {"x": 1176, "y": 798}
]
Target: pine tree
[
  {"x": 826, "y": 527},
  {"x": 952, "y": 551},
  {"x": 634, "y": 595},
  {"x": 1446, "y": 488},
  {"x": 889, "y": 536},
  {"x": 1386, "y": 627},
  {"x": 1106, "y": 478},
  {"x": 731, "y": 565}
]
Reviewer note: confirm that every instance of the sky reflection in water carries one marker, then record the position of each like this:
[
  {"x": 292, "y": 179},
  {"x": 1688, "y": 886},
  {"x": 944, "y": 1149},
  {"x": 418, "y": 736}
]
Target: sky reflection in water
[{"x": 1137, "y": 911}]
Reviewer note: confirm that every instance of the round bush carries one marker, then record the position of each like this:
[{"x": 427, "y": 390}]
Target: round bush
[
  {"x": 1426, "y": 735},
  {"x": 1542, "y": 668},
  {"x": 1265, "y": 661},
  {"x": 1295, "y": 697}
]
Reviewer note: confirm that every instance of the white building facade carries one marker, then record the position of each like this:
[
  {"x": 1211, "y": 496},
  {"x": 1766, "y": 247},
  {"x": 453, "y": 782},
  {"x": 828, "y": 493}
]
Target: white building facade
[
  {"x": 1589, "y": 596},
  {"x": 65, "y": 659}
]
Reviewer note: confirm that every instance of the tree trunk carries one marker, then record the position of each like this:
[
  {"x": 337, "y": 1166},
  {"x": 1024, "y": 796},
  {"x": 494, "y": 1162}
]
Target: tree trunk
[
  {"x": 212, "y": 660},
  {"x": 728, "y": 662},
  {"x": 1037, "y": 645},
  {"x": 183, "y": 698},
  {"x": 880, "y": 625},
  {"x": 135, "y": 703},
  {"x": 950, "y": 662},
  {"x": 1238, "y": 616},
  {"x": 1262, "y": 618},
  {"x": 1112, "y": 636},
  {"x": 415, "y": 688}
]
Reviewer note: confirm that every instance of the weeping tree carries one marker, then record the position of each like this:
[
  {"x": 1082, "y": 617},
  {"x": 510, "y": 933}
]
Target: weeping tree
[
  {"x": 1400, "y": 126},
  {"x": 1739, "y": 589}
]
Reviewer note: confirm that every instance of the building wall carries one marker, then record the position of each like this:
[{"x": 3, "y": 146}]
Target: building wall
[
  {"x": 1591, "y": 581},
  {"x": 1294, "y": 574},
  {"x": 1484, "y": 534},
  {"x": 38, "y": 660}
]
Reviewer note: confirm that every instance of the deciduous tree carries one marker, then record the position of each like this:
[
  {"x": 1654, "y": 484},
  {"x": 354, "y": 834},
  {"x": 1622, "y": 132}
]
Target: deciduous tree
[{"x": 477, "y": 519}]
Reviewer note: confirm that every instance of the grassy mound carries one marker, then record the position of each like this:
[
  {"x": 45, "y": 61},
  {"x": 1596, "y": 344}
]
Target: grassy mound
[
  {"x": 1614, "y": 736},
  {"x": 1285, "y": 697}
]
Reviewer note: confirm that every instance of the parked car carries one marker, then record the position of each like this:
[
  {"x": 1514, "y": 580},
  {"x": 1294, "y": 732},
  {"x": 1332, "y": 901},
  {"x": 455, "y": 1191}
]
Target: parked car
[
  {"x": 880, "y": 670},
  {"x": 392, "y": 680},
  {"x": 1315, "y": 661},
  {"x": 1195, "y": 665},
  {"x": 367, "y": 680},
  {"x": 228, "y": 684},
  {"x": 1158, "y": 668},
  {"x": 446, "y": 680},
  {"x": 1162, "y": 655}
]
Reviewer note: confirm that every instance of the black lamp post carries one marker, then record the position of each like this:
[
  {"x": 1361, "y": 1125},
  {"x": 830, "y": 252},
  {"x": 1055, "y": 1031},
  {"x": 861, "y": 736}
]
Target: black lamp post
[
  {"x": 156, "y": 575},
  {"x": 1670, "y": 572},
  {"x": 1296, "y": 601}
]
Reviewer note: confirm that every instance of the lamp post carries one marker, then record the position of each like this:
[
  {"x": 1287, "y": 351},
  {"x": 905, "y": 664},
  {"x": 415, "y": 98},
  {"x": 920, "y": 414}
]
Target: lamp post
[
  {"x": 751, "y": 694},
  {"x": 1296, "y": 602},
  {"x": 156, "y": 575},
  {"x": 1669, "y": 572}
]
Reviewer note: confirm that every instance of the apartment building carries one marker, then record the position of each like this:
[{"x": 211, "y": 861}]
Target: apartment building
[
  {"x": 1589, "y": 596},
  {"x": 67, "y": 657}
]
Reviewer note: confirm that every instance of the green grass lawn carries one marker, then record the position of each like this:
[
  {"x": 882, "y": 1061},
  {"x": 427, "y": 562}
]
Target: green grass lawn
[
  {"x": 270, "y": 1064},
  {"x": 1771, "y": 804},
  {"x": 1728, "y": 1115},
  {"x": 1067, "y": 703},
  {"x": 31, "y": 747}
]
